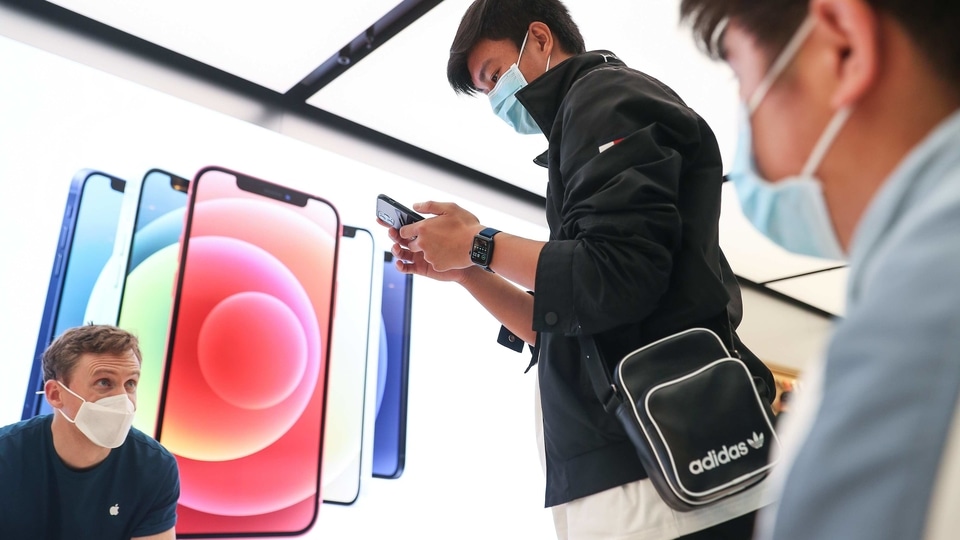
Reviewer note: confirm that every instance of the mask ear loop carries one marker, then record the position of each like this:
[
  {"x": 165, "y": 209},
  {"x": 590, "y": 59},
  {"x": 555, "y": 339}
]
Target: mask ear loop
[
  {"x": 829, "y": 134},
  {"x": 522, "y": 46},
  {"x": 781, "y": 63},
  {"x": 71, "y": 391},
  {"x": 74, "y": 420}
]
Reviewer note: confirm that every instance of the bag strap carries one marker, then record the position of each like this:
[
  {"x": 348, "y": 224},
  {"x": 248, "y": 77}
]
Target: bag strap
[
  {"x": 726, "y": 311},
  {"x": 732, "y": 345},
  {"x": 599, "y": 377}
]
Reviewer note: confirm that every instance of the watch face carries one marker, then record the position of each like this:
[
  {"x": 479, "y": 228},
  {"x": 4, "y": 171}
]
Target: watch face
[{"x": 480, "y": 254}]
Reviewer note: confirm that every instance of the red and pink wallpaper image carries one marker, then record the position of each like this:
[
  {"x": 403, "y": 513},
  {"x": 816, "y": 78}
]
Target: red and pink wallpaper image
[{"x": 244, "y": 396}]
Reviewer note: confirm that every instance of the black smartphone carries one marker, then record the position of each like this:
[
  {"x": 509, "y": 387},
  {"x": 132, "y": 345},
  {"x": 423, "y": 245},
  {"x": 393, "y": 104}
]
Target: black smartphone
[
  {"x": 395, "y": 214},
  {"x": 390, "y": 431}
]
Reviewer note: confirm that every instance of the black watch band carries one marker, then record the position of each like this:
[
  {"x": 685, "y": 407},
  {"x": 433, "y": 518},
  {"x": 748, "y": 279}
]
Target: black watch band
[{"x": 481, "y": 254}]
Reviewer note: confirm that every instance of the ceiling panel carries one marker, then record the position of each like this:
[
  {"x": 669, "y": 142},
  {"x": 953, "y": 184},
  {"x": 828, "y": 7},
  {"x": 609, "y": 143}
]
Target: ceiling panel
[
  {"x": 401, "y": 89},
  {"x": 273, "y": 44}
]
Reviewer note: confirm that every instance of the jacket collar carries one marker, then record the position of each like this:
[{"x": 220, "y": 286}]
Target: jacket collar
[{"x": 542, "y": 97}]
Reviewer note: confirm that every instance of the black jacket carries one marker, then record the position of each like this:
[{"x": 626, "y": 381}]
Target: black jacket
[{"x": 633, "y": 204}]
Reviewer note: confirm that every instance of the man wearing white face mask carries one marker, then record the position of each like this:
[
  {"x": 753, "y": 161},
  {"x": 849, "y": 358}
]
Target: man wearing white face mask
[
  {"x": 633, "y": 201},
  {"x": 863, "y": 97},
  {"x": 83, "y": 472}
]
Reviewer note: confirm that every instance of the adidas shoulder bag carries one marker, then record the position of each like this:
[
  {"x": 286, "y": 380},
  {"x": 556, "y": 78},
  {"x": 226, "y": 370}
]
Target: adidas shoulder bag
[{"x": 700, "y": 427}]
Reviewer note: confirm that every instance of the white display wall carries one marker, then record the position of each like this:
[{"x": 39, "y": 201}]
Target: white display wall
[{"x": 472, "y": 469}]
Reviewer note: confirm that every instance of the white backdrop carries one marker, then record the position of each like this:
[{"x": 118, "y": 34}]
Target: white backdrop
[{"x": 472, "y": 469}]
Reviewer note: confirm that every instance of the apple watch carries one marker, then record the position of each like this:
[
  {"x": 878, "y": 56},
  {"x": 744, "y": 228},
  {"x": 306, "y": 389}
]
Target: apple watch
[{"x": 482, "y": 252}]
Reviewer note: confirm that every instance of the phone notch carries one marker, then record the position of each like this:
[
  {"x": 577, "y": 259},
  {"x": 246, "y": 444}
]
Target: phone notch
[{"x": 273, "y": 191}]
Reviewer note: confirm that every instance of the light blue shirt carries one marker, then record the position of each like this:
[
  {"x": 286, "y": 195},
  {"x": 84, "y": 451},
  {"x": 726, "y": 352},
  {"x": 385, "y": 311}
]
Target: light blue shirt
[{"x": 891, "y": 377}]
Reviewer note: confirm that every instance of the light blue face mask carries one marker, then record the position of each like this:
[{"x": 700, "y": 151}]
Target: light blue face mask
[
  {"x": 791, "y": 212},
  {"x": 503, "y": 98}
]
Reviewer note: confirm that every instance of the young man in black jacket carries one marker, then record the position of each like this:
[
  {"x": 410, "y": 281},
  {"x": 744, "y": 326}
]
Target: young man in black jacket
[{"x": 633, "y": 203}]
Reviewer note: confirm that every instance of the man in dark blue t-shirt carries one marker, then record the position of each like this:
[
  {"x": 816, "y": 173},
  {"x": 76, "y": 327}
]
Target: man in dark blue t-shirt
[{"x": 83, "y": 472}]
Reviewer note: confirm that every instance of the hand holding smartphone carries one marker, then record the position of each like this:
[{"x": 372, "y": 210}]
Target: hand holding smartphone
[{"x": 395, "y": 214}]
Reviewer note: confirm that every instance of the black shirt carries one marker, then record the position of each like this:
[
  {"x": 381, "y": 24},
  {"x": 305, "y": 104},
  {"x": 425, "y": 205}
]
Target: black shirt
[{"x": 131, "y": 493}]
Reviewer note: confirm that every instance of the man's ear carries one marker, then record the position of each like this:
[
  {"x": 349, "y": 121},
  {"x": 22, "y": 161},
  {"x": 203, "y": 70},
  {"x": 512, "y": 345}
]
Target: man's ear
[
  {"x": 542, "y": 37},
  {"x": 853, "y": 31},
  {"x": 52, "y": 392}
]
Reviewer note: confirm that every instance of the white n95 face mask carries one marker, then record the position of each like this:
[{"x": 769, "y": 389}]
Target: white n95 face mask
[
  {"x": 106, "y": 421},
  {"x": 791, "y": 212}
]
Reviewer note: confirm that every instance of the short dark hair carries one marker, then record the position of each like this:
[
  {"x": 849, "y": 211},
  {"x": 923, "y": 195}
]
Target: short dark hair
[
  {"x": 931, "y": 24},
  {"x": 507, "y": 19},
  {"x": 63, "y": 354}
]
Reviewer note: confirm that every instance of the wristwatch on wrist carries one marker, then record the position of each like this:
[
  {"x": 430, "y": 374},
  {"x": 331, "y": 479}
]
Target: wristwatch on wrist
[{"x": 482, "y": 252}]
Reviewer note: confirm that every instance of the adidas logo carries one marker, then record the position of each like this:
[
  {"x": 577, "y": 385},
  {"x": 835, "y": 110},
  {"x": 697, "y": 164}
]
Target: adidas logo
[{"x": 726, "y": 454}]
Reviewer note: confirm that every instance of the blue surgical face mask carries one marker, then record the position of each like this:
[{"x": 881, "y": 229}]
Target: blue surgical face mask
[
  {"x": 503, "y": 98},
  {"x": 791, "y": 212}
]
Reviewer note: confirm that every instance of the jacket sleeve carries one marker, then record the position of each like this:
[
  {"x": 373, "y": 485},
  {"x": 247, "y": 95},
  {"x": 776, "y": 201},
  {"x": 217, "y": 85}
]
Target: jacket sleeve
[{"x": 610, "y": 259}]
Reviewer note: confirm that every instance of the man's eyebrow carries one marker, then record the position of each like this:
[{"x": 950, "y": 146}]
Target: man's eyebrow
[{"x": 113, "y": 371}]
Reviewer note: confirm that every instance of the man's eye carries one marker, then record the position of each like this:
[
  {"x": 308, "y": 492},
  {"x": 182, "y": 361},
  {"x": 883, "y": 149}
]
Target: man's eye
[{"x": 495, "y": 77}]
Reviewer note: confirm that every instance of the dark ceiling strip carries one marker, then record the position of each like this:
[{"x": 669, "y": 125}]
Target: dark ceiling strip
[
  {"x": 379, "y": 33},
  {"x": 746, "y": 283},
  {"x": 804, "y": 274}
]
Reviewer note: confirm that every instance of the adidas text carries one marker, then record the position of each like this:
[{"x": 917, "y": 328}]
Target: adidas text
[{"x": 726, "y": 454}]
